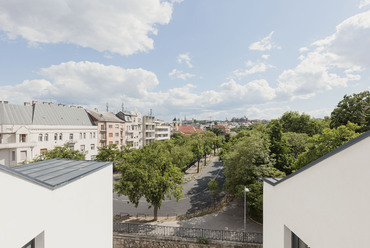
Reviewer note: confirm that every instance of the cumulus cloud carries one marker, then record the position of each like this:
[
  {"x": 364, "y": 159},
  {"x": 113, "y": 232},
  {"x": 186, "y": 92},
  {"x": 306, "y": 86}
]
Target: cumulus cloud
[
  {"x": 265, "y": 44},
  {"x": 331, "y": 62},
  {"x": 363, "y": 3},
  {"x": 184, "y": 58},
  {"x": 122, "y": 27},
  {"x": 251, "y": 68},
  {"x": 180, "y": 74}
]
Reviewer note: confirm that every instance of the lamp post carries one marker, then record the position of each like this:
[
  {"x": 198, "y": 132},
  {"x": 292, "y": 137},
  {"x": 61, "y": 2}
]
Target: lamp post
[{"x": 245, "y": 208}]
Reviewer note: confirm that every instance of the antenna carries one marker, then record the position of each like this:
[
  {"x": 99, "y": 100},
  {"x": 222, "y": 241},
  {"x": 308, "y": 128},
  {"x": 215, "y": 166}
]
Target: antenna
[
  {"x": 107, "y": 107},
  {"x": 151, "y": 112},
  {"x": 122, "y": 107}
]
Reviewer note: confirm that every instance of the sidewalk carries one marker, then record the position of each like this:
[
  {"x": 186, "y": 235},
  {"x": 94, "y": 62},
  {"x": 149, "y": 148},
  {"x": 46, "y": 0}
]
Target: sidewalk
[
  {"x": 229, "y": 218},
  {"x": 191, "y": 173}
]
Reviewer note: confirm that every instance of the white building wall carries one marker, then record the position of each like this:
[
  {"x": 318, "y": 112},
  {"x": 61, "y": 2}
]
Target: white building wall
[
  {"x": 326, "y": 205},
  {"x": 76, "y": 215}
]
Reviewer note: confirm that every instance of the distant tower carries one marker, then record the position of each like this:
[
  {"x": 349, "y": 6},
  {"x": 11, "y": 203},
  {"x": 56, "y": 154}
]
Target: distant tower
[{"x": 107, "y": 107}]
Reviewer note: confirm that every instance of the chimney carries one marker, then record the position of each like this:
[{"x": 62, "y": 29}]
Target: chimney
[
  {"x": 27, "y": 104},
  {"x": 60, "y": 105},
  {"x": 1, "y": 101},
  {"x": 34, "y": 102},
  {"x": 72, "y": 106},
  {"x": 46, "y": 103},
  {"x": 80, "y": 107},
  {"x": 51, "y": 103},
  {"x": 5, "y": 102}
]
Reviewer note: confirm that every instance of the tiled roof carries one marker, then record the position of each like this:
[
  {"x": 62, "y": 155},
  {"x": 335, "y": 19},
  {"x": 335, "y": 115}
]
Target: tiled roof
[
  {"x": 43, "y": 114},
  {"x": 55, "y": 173},
  {"x": 187, "y": 129}
]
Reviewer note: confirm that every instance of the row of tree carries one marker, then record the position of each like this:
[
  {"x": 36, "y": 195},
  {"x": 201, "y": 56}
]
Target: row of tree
[{"x": 287, "y": 144}]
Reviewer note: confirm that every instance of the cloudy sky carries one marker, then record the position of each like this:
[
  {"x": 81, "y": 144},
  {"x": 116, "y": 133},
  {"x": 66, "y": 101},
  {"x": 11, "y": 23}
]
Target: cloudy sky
[{"x": 196, "y": 58}]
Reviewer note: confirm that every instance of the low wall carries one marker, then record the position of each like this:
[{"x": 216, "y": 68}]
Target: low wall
[{"x": 128, "y": 240}]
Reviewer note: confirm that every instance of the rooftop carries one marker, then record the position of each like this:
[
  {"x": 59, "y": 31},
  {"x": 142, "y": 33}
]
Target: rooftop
[{"x": 55, "y": 173}]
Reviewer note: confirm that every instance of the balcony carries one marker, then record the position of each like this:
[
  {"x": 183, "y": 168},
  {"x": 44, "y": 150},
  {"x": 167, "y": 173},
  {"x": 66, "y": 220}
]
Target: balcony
[{"x": 17, "y": 145}]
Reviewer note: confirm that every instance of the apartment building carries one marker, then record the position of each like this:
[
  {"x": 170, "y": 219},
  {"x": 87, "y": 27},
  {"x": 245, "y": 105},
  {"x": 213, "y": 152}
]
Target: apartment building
[
  {"x": 162, "y": 130},
  {"x": 133, "y": 127},
  {"x": 111, "y": 129},
  {"x": 148, "y": 129},
  {"x": 30, "y": 129}
]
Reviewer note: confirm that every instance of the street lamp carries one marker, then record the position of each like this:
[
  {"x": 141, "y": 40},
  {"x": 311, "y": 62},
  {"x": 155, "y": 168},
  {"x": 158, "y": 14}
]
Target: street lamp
[{"x": 246, "y": 190}]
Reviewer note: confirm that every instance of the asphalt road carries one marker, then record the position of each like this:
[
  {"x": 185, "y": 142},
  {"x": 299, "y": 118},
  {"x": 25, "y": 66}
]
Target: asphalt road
[{"x": 196, "y": 196}]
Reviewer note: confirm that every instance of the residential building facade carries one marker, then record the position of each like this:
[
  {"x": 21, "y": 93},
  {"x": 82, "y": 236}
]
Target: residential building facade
[
  {"x": 324, "y": 204},
  {"x": 148, "y": 129},
  {"x": 133, "y": 127},
  {"x": 27, "y": 131},
  {"x": 111, "y": 129},
  {"x": 57, "y": 203},
  {"x": 162, "y": 130}
]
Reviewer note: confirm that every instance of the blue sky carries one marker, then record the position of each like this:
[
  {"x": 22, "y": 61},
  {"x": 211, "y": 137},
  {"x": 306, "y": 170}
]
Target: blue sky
[{"x": 196, "y": 58}]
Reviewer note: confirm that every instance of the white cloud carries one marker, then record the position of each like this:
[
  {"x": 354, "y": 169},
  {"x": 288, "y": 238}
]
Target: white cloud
[
  {"x": 122, "y": 27},
  {"x": 265, "y": 44},
  {"x": 265, "y": 56},
  {"x": 184, "y": 57},
  {"x": 331, "y": 62},
  {"x": 252, "y": 68},
  {"x": 180, "y": 74},
  {"x": 363, "y": 3}
]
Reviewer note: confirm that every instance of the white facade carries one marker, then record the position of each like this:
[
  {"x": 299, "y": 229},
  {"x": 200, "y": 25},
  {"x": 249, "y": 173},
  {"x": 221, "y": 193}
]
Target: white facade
[
  {"x": 78, "y": 214},
  {"x": 133, "y": 128},
  {"x": 325, "y": 204},
  {"x": 162, "y": 131},
  {"x": 148, "y": 129}
]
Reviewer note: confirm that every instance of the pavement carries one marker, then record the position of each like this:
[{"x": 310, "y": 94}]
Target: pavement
[{"x": 229, "y": 218}]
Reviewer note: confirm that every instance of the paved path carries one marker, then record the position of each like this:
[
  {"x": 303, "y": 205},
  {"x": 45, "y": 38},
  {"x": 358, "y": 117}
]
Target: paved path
[
  {"x": 195, "y": 192},
  {"x": 230, "y": 218}
]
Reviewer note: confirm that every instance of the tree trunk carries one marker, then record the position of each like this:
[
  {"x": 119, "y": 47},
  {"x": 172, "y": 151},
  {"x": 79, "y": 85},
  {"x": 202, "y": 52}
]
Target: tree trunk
[
  {"x": 198, "y": 166},
  {"x": 155, "y": 212},
  {"x": 205, "y": 160}
]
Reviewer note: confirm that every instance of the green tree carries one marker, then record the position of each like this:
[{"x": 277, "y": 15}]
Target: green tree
[
  {"x": 218, "y": 131},
  {"x": 197, "y": 147},
  {"x": 60, "y": 152},
  {"x": 149, "y": 173},
  {"x": 354, "y": 108},
  {"x": 109, "y": 153},
  {"x": 330, "y": 139},
  {"x": 214, "y": 189},
  {"x": 300, "y": 123}
]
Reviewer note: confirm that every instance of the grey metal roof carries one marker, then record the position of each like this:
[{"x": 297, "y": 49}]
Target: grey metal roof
[
  {"x": 43, "y": 114},
  {"x": 275, "y": 181},
  {"x": 104, "y": 116},
  {"x": 15, "y": 114},
  {"x": 54, "y": 173}
]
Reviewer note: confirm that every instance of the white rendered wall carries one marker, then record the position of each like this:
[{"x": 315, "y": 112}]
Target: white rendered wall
[
  {"x": 78, "y": 214},
  {"x": 327, "y": 205}
]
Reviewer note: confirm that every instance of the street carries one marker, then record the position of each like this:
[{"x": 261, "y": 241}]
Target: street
[{"x": 196, "y": 196}]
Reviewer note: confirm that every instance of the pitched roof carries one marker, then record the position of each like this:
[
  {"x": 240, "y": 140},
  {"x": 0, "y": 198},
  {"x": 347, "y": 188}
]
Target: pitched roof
[
  {"x": 104, "y": 116},
  {"x": 275, "y": 181},
  {"x": 43, "y": 114},
  {"x": 55, "y": 173},
  {"x": 187, "y": 129}
]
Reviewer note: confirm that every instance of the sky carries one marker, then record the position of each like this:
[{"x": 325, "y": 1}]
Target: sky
[{"x": 202, "y": 59}]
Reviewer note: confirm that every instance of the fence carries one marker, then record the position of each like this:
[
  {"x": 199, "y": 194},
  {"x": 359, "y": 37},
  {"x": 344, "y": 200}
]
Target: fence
[{"x": 184, "y": 232}]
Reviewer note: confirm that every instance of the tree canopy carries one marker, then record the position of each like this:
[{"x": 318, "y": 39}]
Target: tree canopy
[
  {"x": 60, "y": 152},
  {"x": 354, "y": 108}
]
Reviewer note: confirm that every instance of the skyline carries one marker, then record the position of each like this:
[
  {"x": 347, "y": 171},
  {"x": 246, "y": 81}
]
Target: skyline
[{"x": 198, "y": 59}]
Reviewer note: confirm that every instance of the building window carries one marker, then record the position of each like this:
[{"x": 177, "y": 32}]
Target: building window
[
  {"x": 30, "y": 244},
  {"x": 94, "y": 135},
  {"x": 90, "y": 135},
  {"x": 43, "y": 150},
  {"x": 110, "y": 135},
  {"x": 23, "y": 155},
  {"x": 117, "y": 134},
  {"x": 102, "y": 127},
  {"x": 46, "y": 137},
  {"x": 103, "y": 136},
  {"x": 80, "y": 135},
  {"x": 84, "y": 135},
  {"x": 71, "y": 136},
  {"x": 92, "y": 146},
  {"x": 60, "y": 136},
  {"x": 110, "y": 126},
  {"x": 82, "y": 148},
  {"x": 13, "y": 155},
  {"x": 117, "y": 126},
  {"x": 297, "y": 242},
  {"x": 116, "y": 142},
  {"x": 110, "y": 142},
  {"x": 40, "y": 137},
  {"x": 22, "y": 138},
  {"x": 55, "y": 136}
]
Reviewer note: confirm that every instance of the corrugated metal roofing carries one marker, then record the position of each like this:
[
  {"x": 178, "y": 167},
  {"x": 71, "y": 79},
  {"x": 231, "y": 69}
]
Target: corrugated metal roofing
[
  {"x": 43, "y": 114},
  {"x": 54, "y": 173},
  {"x": 104, "y": 116}
]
